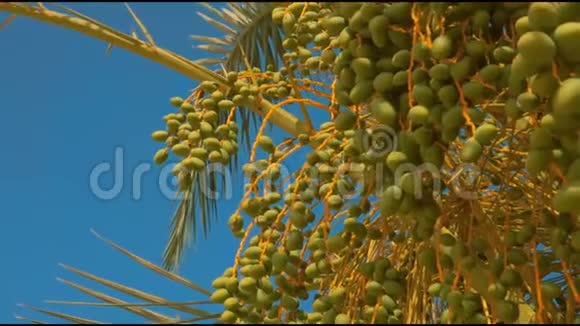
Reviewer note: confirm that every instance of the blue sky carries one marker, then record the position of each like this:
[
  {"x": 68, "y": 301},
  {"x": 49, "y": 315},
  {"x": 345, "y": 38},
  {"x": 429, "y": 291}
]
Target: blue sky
[{"x": 65, "y": 108}]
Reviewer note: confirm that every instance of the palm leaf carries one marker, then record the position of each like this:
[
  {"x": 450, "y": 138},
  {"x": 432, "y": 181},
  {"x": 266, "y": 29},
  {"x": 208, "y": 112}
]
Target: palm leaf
[
  {"x": 156, "y": 269},
  {"x": 249, "y": 35},
  {"x": 31, "y": 321},
  {"x": 70, "y": 318},
  {"x": 190, "y": 313},
  {"x": 134, "y": 292},
  {"x": 141, "y": 25},
  {"x": 241, "y": 23},
  {"x": 7, "y": 21},
  {"x": 186, "y": 215}
]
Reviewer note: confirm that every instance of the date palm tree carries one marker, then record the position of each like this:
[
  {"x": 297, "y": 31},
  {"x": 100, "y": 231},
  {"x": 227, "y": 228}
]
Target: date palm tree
[{"x": 257, "y": 37}]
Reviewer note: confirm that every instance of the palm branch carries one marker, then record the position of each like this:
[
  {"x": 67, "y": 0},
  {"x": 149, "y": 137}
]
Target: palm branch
[
  {"x": 250, "y": 39},
  {"x": 249, "y": 33},
  {"x": 188, "y": 312}
]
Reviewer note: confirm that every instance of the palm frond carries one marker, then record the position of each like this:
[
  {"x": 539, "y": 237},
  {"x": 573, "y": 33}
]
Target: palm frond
[
  {"x": 156, "y": 269},
  {"x": 250, "y": 35},
  {"x": 141, "y": 25},
  {"x": 31, "y": 321},
  {"x": 7, "y": 21},
  {"x": 134, "y": 292},
  {"x": 187, "y": 309},
  {"x": 241, "y": 23},
  {"x": 183, "y": 223},
  {"x": 70, "y": 318}
]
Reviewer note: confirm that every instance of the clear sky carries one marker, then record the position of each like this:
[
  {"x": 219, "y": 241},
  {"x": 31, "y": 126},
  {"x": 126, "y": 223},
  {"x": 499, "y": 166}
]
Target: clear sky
[{"x": 65, "y": 108}]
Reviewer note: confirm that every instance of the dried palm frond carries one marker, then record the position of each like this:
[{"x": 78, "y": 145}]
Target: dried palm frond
[{"x": 187, "y": 310}]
